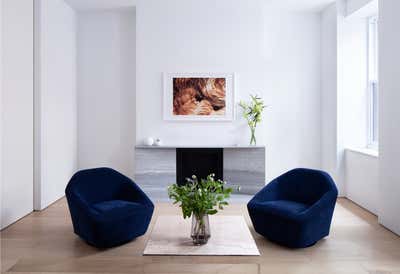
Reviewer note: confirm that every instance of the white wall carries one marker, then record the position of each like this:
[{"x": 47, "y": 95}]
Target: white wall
[
  {"x": 55, "y": 100},
  {"x": 330, "y": 156},
  {"x": 362, "y": 180},
  {"x": 344, "y": 71},
  {"x": 17, "y": 110},
  {"x": 274, "y": 53},
  {"x": 354, "y": 6},
  {"x": 361, "y": 164},
  {"x": 106, "y": 84},
  {"x": 389, "y": 113},
  {"x": 1, "y": 112}
]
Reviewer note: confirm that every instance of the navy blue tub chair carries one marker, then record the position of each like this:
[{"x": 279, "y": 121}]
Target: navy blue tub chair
[
  {"x": 295, "y": 209},
  {"x": 107, "y": 208}
]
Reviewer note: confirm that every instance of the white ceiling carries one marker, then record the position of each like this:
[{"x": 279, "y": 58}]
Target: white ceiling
[
  {"x": 87, "y": 5},
  {"x": 303, "y": 5},
  {"x": 295, "y": 5}
]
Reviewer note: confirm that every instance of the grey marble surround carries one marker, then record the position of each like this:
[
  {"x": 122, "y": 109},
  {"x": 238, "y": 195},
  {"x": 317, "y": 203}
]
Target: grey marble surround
[{"x": 244, "y": 166}]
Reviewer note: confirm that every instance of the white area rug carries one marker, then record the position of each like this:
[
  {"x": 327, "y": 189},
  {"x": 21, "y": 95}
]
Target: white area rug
[{"x": 229, "y": 236}]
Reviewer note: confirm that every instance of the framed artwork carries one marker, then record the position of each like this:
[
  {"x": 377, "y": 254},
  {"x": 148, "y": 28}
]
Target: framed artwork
[{"x": 198, "y": 96}]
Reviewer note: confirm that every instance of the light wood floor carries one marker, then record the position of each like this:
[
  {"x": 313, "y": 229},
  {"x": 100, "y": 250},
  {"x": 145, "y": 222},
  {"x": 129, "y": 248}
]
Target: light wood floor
[{"x": 44, "y": 242}]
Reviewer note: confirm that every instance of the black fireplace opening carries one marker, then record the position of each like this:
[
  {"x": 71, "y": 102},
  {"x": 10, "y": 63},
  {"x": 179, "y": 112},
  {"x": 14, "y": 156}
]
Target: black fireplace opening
[{"x": 200, "y": 162}]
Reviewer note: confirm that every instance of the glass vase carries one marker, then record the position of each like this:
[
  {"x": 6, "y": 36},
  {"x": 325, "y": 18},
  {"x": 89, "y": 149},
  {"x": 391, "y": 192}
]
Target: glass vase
[
  {"x": 200, "y": 229},
  {"x": 253, "y": 140}
]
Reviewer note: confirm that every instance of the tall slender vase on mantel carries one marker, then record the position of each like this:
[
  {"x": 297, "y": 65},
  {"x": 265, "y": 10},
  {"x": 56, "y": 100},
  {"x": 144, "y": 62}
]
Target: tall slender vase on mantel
[
  {"x": 199, "y": 199},
  {"x": 252, "y": 112}
]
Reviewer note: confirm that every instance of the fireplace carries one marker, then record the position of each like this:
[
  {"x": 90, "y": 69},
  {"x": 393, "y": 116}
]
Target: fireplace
[
  {"x": 157, "y": 167},
  {"x": 200, "y": 162}
]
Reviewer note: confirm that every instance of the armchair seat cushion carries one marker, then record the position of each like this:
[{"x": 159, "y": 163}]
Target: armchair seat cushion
[
  {"x": 282, "y": 207},
  {"x": 115, "y": 208}
]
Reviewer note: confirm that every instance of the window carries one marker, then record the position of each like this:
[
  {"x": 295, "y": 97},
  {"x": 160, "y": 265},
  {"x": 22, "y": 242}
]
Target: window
[{"x": 373, "y": 83}]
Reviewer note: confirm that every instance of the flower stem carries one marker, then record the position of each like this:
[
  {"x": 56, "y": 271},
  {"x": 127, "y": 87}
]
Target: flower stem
[{"x": 253, "y": 140}]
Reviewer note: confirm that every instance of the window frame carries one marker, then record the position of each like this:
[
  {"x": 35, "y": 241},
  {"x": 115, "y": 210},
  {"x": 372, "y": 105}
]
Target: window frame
[{"x": 372, "y": 84}]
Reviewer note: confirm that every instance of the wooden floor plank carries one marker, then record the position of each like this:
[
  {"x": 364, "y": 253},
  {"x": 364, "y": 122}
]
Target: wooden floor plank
[{"x": 43, "y": 242}]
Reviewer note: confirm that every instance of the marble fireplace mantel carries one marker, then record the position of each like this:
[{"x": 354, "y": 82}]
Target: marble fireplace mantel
[
  {"x": 243, "y": 165},
  {"x": 199, "y": 146}
]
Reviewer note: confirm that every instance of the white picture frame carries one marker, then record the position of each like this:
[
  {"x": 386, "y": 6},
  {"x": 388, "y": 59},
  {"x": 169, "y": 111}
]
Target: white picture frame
[{"x": 168, "y": 97}]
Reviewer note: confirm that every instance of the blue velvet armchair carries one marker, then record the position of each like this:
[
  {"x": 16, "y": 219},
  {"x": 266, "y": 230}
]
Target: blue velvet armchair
[
  {"x": 107, "y": 208},
  {"x": 295, "y": 209}
]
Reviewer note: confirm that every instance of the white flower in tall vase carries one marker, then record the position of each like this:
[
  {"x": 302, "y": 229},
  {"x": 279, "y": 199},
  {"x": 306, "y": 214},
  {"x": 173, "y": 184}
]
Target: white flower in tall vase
[{"x": 252, "y": 112}]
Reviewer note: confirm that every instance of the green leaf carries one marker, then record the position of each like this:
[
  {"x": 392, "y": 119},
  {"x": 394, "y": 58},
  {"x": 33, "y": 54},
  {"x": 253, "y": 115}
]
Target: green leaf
[{"x": 200, "y": 196}]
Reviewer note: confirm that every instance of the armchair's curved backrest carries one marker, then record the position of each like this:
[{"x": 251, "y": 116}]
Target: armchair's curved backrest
[
  {"x": 97, "y": 185},
  {"x": 305, "y": 185}
]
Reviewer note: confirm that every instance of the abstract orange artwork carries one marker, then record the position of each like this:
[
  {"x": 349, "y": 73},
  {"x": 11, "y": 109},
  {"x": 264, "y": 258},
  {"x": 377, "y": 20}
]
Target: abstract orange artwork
[{"x": 199, "y": 96}]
